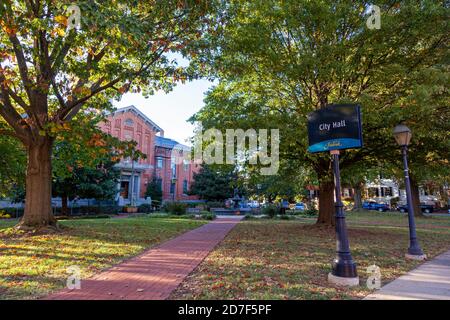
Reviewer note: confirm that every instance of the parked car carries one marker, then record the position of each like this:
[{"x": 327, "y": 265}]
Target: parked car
[
  {"x": 300, "y": 206},
  {"x": 372, "y": 205},
  {"x": 253, "y": 204},
  {"x": 426, "y": 208}
]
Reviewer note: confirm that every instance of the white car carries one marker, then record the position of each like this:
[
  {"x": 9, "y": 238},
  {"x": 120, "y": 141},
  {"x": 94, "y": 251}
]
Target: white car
[{"x": 253, "y": 204}]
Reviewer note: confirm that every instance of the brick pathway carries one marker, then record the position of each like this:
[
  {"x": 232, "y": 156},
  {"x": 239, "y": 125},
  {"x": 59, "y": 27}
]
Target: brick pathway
[
  {"x": 429, "y": 281},
  {"x": 154, "y": 274}
]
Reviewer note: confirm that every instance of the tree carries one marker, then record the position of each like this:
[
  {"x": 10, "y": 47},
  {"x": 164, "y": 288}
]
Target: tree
[
  {"x": 289, "y": 183},
  {"x": 12, "y": 168},
  {"x": 154, "y": 190},
  {"x": 214, "y": 183},
  {"x": 84, "y": 159},
  {"x": 99, "y": 182},
  {"x": 276, "y": 61},
  {"x": 51, "y": 70},
  {"x": 357, "y": 175}
]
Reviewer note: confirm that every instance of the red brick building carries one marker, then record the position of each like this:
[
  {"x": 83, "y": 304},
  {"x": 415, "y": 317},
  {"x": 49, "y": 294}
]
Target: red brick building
[{"x": 164, "y": 158}]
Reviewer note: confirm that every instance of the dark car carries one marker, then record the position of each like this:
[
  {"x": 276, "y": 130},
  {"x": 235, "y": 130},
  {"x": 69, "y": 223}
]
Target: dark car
[
  {"x": 372, "y": 205},
  {"x": 426, "y": 208}
]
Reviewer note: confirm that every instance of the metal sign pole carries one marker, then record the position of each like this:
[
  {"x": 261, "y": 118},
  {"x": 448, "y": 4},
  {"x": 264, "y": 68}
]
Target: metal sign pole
[{"x": 343, "y": 267}]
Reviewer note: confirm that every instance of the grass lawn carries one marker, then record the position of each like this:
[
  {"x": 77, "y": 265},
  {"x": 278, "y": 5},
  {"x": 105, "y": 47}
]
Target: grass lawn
[
  {"x": 279, "y": 259},
  {"x": 33, "y": 266}
]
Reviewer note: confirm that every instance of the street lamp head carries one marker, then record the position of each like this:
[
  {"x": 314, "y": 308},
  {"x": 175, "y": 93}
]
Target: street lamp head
[{"x": 402, "y": 135}]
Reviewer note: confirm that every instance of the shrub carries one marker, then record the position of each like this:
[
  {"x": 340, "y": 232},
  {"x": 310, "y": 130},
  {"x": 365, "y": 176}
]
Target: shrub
[
  {"x": 4, "y": 215},
  {"x": 110, "y": 209},
  {"x": 13, "y": 212},
  {"x": 248, "y": 217},
  {"x": 207, "y": 216},
  {"x": 95, "y": 210},
  {"x": 271, "y": 210},
  {"x": 310, "y": 212},
  {"x": 285, "y": 217},
  {"x": 174, "y": 207},
  {"x": 145, "y": 208}
]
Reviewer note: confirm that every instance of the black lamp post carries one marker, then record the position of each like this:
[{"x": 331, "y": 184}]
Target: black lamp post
[
  {"x": 343, "y": 267},
  {"x": 403, "y": 136}
]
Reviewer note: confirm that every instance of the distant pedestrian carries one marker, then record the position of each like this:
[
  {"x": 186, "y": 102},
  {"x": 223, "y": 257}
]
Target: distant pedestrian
[{"x": 284, "y": 206}]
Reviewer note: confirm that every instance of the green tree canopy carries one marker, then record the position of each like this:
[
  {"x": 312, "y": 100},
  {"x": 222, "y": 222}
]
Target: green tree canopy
[
  {"x": 213, "y": 183},
  {"x": 276, "y": 61},
  {"x": 51, "y": 70},
  {"x": 12, "y": 167},
  {"x": 154, "y": 190}
]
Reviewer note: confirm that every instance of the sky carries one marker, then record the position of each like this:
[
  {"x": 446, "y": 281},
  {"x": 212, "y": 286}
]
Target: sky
[{"x": 172, "y": 110}]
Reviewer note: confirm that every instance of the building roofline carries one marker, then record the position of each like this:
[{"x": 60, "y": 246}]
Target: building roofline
[
  {"x": 168, "y": 143},
  {"x": 132, "y": 108}
]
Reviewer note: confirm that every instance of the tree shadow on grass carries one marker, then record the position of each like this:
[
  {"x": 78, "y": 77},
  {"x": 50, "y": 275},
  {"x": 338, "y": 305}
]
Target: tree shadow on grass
[{"x": 29, "y": 287}]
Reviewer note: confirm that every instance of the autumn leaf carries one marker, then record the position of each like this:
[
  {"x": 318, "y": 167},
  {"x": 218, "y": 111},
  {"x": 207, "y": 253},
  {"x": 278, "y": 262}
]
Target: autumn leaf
[
  {"x": 61, "y": 20},
  {"x": 61, "y": 32}
]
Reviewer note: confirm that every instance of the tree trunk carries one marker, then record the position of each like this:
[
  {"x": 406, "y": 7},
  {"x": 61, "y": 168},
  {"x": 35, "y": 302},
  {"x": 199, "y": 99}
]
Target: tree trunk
[
  {"x": 357, "y": 197},
  {"x": 64, "y": 206},
  {"x": 326, "y": 203},
  {"x": 38, "y": 199},
  {"x": 415, "y": 197}
]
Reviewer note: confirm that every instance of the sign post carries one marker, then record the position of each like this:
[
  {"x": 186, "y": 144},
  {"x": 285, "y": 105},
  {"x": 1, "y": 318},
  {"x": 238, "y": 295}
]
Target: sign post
[
  {"x": 343, "y": 265},
  {"x": 329, "y": 130}
]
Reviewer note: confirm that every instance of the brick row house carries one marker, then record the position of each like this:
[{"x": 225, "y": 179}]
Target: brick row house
[{"x": 165, "y": 158}]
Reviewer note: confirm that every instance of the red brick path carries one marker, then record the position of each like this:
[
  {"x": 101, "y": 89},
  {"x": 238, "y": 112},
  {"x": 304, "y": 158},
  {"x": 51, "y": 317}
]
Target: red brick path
[{"x": 154, "y": 274}]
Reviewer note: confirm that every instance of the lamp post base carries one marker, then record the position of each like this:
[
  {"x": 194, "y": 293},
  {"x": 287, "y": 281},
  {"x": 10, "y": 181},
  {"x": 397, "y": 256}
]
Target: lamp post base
[
  {"x": 419, "y": 257},
  {"x": 343, "y": 281}
]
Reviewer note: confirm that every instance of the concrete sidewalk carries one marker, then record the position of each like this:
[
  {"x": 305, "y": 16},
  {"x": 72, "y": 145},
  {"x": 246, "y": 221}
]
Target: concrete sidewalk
[
  {"x": 154, "y": 274},
  {"x": 430, "y": 281}
]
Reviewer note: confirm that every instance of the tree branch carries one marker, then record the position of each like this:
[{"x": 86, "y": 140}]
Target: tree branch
[
  {"x": 7, "y": 111},
  {"x": 23, "y": 69}
]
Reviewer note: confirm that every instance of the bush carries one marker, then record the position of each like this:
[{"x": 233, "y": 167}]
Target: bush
[
  {"x": 248, "y": 217},
  {"x": 310, "y": 212},
  {"x": 110, "y": 209},
  {"x": 207, "y": 216},
  {"x": 174, "y": 207},
  {"x": 271, "y": 210},
  {"x": 145, "y": 208},
  {"x": 4, "y": 215},
  {"x": 93, "y": 210},
  {"x": 285, "y": 217},
  {"x": 13, "y": 212}
]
